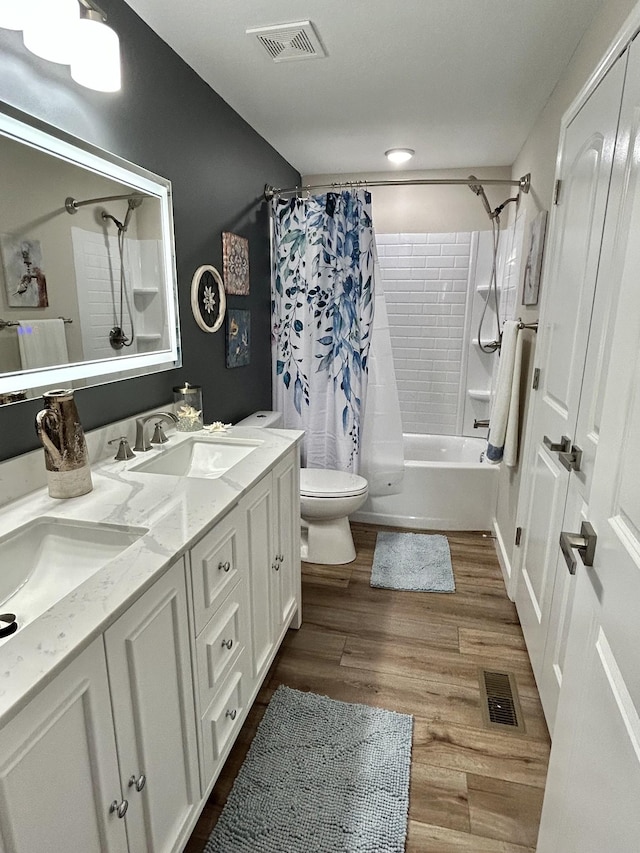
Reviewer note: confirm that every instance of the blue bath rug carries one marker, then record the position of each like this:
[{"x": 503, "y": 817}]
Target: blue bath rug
[
  {"x": 417, "y": 562},
  {"x": 321, "y": 776}
]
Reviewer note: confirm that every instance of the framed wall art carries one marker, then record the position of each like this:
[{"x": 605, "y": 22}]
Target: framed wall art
[
  {"x": 238, "y": 337},
  {"x": 26, "y": 285},
  {"x": 208, "y": 300},
  {"x": 235, "y": 263}
]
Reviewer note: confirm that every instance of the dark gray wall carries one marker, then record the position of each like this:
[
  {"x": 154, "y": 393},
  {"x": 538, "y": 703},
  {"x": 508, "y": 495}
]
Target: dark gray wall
[{"x": 168, "y": 120}]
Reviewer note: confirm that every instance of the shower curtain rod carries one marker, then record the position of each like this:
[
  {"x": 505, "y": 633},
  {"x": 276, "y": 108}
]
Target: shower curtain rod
[{"x": 524, "y": 184}]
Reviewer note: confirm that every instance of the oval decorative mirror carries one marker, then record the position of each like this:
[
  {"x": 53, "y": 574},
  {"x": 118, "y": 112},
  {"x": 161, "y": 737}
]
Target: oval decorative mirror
[{"x": 208, "y": 300}]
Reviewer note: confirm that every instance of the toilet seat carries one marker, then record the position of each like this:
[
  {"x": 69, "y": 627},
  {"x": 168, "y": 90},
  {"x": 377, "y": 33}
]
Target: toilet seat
[{"x": 324, "y": 483}]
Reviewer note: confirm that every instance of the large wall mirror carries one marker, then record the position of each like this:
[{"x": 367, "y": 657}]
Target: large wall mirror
[{"x": 87, "y": 266}]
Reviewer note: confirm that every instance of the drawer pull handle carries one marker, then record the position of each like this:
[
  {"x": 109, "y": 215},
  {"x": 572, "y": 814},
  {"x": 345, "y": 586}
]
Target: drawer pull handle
[
  {"x": 138, "y": 783},
  {"x": 227, "y": 644},
  {"x": 224, "y": 566},
  {"x": 232, "y": 714},
  {"x": 119, "y": 808}
]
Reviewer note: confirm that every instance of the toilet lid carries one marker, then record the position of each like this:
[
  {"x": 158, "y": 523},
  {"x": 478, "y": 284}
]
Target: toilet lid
[{"x": 323, "y": 483}]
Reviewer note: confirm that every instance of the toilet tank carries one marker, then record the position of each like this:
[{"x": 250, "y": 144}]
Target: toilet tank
[{"x": 263, "y": 419}]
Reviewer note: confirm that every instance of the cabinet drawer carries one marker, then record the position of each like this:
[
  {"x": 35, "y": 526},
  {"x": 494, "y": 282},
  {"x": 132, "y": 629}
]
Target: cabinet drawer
[
  {"x": 222, "y": 720},
  {"x": 220, "y": 644},
  {"x": 217, "y": 563}
]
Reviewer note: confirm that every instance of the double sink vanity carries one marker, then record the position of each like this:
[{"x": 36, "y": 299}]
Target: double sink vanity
[{"x": 148, "y": 613}]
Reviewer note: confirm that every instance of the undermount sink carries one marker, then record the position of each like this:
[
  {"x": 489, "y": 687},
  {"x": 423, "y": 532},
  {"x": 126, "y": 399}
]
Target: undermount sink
[
  {"x": 198, "y": 457},
  {"x": 47, "y": 558}
]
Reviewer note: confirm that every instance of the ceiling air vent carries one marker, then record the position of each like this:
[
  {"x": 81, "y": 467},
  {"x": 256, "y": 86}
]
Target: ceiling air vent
[{"x": 289, "y": 41}]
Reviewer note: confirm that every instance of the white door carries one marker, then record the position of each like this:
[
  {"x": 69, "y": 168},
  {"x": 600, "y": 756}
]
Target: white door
[
  {"x": 152, "y": 696},
  {"x": 585, "y": 173},
  {"x": 593, "y": 789}
]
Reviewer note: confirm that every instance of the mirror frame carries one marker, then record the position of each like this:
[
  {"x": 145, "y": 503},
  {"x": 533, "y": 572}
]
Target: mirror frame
[{"x": 28, "y": 130}]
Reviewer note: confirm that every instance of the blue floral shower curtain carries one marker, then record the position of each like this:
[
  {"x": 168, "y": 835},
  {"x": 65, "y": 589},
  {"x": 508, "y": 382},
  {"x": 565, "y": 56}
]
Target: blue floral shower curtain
[{"x": 322, "y": 314}]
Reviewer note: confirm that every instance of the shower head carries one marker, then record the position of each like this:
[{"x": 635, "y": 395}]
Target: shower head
[
  {"x": 134, "y": 202},
  {"x": 478, "y": 189}
]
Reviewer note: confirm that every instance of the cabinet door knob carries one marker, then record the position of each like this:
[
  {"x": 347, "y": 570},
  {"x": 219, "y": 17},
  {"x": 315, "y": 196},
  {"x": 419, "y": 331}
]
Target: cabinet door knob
[
  {"x": 224, "y": 566},
  {"x": 276, "y": 565},
  {"x": 119, "y": 808},
  {"x": 280, "y": 558},
  {"x": 231, "y": 714},
  {"x": 138, "y": 783},
  {"x": 227, "y": 644}
]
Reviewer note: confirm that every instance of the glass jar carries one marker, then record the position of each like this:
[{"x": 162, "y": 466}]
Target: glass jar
[{"x": 188, "y": 407}]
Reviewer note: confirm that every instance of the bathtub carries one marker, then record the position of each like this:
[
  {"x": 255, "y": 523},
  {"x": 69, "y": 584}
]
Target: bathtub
[{"x": 446, "y": 487}]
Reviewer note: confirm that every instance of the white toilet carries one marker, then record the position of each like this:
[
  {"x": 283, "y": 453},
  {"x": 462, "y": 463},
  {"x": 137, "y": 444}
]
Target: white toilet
[{"x": 327, "y": 498}]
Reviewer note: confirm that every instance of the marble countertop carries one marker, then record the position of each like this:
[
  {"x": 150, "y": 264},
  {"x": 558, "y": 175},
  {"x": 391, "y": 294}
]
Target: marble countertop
[{"x": 176, "y": 511}]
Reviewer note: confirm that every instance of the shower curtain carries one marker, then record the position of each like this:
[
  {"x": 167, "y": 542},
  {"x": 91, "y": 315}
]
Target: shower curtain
[
  {"x": 323, "y": 301},
  {"x": 322, "y": 313},
  {"x": 382, "y": 457}
]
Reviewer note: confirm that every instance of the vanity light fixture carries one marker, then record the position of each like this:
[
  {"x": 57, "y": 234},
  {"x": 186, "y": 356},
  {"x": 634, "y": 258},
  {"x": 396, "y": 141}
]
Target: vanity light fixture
[
  {"x": 13, "y": 14},
  {"x": 49, "y": 28},
  {"x": 399, "y": 155},
  {"x": 71, "y": 32},
  {"x": 96, "y": 59}
]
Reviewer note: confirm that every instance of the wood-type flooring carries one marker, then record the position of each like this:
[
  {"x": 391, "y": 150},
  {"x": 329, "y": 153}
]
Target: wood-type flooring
[{"x": 473, "y": 790}]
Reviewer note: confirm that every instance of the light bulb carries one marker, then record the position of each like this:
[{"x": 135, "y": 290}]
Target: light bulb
[
  {"x": 13, "y": 14},
  {"x": 50, "y": 29},
  {"x": 96, "y": 58},
  {"x": 399, "y": 155}
]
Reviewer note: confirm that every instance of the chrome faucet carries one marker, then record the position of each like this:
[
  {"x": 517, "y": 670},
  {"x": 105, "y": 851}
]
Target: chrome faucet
[{"x": 142, "y": 443}]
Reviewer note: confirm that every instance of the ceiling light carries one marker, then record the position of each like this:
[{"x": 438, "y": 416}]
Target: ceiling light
[
  {"x": 49, "y": 28},
  {"x": 12, "y": 14},
  {"x": 96, "y": 57},
  {"x": 399, "y": 155}
]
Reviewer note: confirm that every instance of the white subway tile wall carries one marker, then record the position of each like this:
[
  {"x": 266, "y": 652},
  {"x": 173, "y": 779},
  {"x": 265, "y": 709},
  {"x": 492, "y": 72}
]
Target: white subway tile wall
[{"x": 425, "y": 279}]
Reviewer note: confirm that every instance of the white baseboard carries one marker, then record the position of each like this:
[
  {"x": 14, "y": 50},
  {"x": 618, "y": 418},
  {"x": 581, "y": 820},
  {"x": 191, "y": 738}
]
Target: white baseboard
[{"x": 503, "y": 559}]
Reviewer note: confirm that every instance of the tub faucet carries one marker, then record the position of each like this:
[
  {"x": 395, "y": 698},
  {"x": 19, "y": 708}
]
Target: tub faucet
[
  {"x": 142, "y": 443},
  {"x": 481, "y": 424}
]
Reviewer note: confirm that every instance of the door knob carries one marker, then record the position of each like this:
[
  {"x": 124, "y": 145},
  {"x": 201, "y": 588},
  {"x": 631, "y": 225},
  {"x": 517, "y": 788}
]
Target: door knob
[
  {"x": 583, "y": 542},
  {"x": 138, "y": 783},
  {"x": 563, "y": 446},
  {"x": 571, "y": 459},
  {"x": 119, "y": 808}
]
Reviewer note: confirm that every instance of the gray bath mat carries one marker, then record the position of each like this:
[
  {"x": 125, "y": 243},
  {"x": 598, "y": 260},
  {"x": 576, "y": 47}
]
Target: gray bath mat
[
  {"x": 413, "y": 561},
  {"x": 321, "y": 776}
]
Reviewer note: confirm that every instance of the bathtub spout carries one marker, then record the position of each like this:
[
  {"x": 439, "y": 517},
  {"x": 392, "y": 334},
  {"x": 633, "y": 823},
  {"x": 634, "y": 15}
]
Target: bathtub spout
[{"x": 482, "y": 424}]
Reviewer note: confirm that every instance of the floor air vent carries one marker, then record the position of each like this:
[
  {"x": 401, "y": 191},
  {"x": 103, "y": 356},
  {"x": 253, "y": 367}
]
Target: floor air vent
[
  {"x": 500, "y": 704},
  {"x": 289, "y": 41}
]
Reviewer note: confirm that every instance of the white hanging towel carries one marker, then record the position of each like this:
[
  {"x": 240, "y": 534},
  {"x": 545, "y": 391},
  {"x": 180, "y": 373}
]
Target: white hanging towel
[
  {"x": 503, "y": 422},
  {"x": 42, "y": 343}
]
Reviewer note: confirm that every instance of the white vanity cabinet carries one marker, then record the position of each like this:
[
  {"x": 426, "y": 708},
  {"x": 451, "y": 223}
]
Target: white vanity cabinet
[
  {"x": 273, "y": 539},
  {"x": 58, "y": 769},
  {"x": 221, "y": 639},
  {"x": 149, "y": 663},
  {"x": 119, "y": 750},
  {"x": 74, "y": 758}
]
